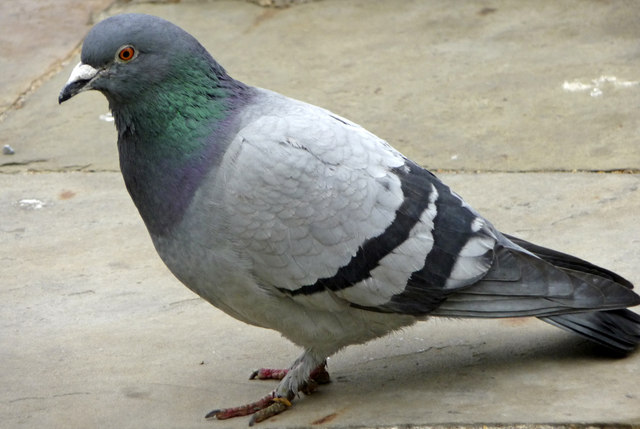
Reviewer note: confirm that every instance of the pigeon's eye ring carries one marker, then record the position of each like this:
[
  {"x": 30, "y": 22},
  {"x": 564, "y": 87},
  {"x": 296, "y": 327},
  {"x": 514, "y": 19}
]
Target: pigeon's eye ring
[{"x": 126, "y": 53}]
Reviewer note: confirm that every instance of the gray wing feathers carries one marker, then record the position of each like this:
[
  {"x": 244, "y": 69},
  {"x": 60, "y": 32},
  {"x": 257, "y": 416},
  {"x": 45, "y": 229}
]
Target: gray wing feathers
[
  {"x": 333, "y": 208},
  {"x": 323, "y": 187}
]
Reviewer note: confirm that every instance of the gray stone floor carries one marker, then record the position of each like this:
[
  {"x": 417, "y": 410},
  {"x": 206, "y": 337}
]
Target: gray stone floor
[{"x": 518, "y": 105}]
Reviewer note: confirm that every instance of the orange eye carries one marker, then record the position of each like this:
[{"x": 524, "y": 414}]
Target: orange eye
[{"x": 126, "y": 53}]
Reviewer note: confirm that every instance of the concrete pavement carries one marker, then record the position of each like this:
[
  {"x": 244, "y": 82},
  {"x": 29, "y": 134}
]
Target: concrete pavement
[{"x": 95, "y": 332}]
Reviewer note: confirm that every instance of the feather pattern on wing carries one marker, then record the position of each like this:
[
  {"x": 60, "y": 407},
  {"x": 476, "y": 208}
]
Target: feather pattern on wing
[{"x": 353, "y": 219}]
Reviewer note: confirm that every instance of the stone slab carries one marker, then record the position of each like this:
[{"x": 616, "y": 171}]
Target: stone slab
[
  {"x": 465, "y": 87},
  {"x": 97, "y": 333}
]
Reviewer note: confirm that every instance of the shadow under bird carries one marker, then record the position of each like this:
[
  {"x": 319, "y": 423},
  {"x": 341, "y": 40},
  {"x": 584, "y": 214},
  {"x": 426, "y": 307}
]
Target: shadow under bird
[{"x": 289, "y": 217}]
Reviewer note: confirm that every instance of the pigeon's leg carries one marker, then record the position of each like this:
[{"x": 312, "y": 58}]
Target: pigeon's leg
[
  {"x": 318, "y": 375},
  {"x": 296, "y": 379}
]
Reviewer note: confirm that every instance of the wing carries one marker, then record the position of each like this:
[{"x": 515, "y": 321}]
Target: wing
[
  {"x": 332, "y": 216},
  {"x": 328, "y": 214}
]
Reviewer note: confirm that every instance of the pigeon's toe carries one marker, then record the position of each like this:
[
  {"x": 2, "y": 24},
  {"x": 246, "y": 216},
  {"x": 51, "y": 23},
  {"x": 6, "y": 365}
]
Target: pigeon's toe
[
  {"x": 277, "y": 406},
  {"x": 268, "y": 374},
  {"x": 260, "y": 410},
  {"x": 244, "y": 410}
]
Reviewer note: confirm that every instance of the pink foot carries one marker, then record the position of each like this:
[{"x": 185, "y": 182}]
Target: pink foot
[
  {"x": 271, "y": 405},
  {"x": 262, "y": 409}
]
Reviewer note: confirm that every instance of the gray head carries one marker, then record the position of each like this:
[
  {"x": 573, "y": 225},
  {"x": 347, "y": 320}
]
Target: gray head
[
  {"x": 125, "y": 55},
  {"x": 173, "y": 106}
]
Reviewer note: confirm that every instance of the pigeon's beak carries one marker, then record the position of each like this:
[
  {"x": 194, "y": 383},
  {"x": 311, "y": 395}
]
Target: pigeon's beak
[{"x": 81, "y": 76}]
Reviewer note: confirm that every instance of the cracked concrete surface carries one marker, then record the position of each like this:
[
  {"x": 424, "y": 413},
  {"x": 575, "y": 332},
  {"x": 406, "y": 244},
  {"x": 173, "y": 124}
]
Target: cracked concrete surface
[
  {"x": 96, "y": 332},
  {"x": 454, "y": 88}
]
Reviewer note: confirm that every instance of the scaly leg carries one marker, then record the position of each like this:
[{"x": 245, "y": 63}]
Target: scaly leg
[
  {"x": 303, "y": 375},
  {"x": 261, "y": 409}
]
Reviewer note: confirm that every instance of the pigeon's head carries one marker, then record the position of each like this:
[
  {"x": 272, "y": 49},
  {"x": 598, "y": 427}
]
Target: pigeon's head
[{"x": 126, "y": 55}]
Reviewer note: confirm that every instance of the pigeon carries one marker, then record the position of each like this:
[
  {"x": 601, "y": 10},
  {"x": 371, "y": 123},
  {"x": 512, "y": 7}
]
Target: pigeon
[{"x": 289, "y": 217}]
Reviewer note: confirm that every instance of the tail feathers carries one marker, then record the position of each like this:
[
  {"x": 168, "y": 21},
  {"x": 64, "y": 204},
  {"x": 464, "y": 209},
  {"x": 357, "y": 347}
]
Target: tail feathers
[
  {"x": 521, "y": 283},
  {"x": 568, "y": 262},
  {"x": 616, "y": 329},
  {"x": 529, "y": 280}
]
